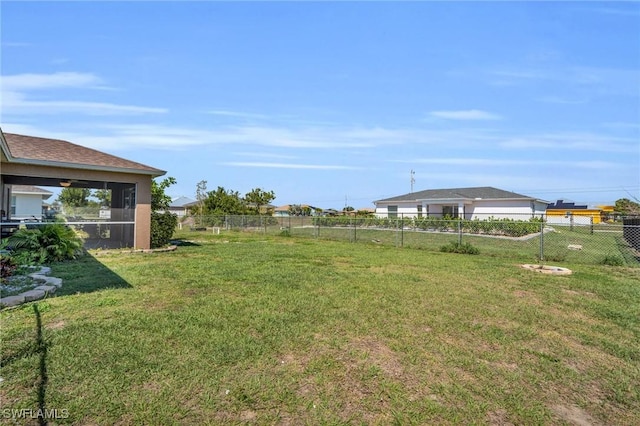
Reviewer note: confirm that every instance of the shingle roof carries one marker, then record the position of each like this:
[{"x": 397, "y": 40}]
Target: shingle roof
[
  {"x": 181, "y": 202},
  {"x": 483, "y": 192},
  {"x": 55, "y": 152},
  {"x": 561, "y": 204},
  {"x": 30, "y": 189}
]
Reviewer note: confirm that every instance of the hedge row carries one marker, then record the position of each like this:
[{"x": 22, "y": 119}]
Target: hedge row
[{"x": 489, "y": 226}]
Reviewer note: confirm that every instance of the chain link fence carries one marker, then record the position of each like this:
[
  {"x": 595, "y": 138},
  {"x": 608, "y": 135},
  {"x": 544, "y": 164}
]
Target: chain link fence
[{"x": 530, "y": 239}]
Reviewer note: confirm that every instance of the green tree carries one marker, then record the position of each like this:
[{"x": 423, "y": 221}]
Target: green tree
[
  {"x": 103, "y": 196},
  {"x": 224, "y": 202},
  {"x": 162, "y": 224},
  {"x": 201, "y": 195},
  {"x": 299, "y": 210},
  {"x": 74, "y": 197},
  {"x": 257, "y": 198},
  {"x": 626, "y": 207},
  {"x": 160, "y": 200}
]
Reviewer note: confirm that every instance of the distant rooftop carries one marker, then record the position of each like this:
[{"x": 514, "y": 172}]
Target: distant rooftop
[
  {"x": 482, "y": 192},
  {"x": 566, "y": 205},
  {"x": 30, "y": 189},
  {"x": 181, "y": 202}
]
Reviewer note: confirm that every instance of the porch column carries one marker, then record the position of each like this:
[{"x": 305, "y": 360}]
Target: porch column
[
  {"x": 461, "y": 210},
  {"x": 142, "y": 236}
]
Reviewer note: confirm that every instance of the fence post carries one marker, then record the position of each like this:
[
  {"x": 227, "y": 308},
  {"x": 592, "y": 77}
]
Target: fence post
[
  {"x": 355, "y": 237},
  {"x": 459, "y": 232},
  {"x": 402, "y": 230},
  {"x": 591, "y": 224},
  {"x": 541, "y": 254}
]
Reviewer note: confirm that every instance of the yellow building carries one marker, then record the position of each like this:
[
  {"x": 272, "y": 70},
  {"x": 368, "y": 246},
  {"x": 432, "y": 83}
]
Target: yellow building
[{"x": 562, "y": 212}]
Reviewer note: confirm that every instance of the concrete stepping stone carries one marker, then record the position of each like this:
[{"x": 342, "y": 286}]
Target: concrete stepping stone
[
  {"x": 47, "y": 288},
  {"x": 31, "y": 295},
  {"x": 12, "y": 301}
]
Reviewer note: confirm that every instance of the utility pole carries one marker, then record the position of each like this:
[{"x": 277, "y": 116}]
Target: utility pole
[{"x": 413, "y": 179}]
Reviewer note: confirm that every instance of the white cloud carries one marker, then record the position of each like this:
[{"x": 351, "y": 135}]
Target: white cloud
[
  {"x": 304, "y": 137},
  {"x": 290, "y": 166},
  {"x": 131, "y": 136},
  {"x": 587, "y": 81},
  {"x": 49, "y": 81},
  {"x": 236, "y": 114},
  {"x": 491, "y": 162},
  {"x": 470, "y": 114},
  {"x": 17, "y": 96},
  {"x": 561, "y": 100},
  {"x": 13, "y": 104},
  {"x": 594, "y": 165},
  {"x": 265, "y": 155},
  {"x": 463, "y": 161}
]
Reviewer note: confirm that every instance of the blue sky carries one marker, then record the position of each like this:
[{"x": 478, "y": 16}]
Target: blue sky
[{"x": 328, "y": 103}]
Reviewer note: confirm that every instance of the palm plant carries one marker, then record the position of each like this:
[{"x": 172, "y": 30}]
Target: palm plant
[{"x": 49, "y": 243}]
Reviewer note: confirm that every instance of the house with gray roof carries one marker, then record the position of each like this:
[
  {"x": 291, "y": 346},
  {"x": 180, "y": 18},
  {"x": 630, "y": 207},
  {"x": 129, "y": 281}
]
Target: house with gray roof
[
  {"x": 180, "y": 206},
  {"x": 27, "y": 202},
  {"x": 468, "y": 203}
]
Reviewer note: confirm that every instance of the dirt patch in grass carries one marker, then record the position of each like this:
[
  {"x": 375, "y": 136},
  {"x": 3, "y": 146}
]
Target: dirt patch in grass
[
  {"x": 248, "y": 415},
  {"x": 152, "y": 386},
  {"x": 351, "y": 385},
  {"x": 55, "y": 325},
  {"x": 529, "y": 296},
  {"x": 498, "y": 418},
  {"x": 577, "y": 293},
  {"x": 380, "y": 355},
  {"x": 574, "y": 415}
]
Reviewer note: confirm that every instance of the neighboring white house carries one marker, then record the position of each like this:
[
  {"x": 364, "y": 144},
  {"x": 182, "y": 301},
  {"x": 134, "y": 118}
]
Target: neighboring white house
[
  {"x": 27, "y": 202},
  {"x": 469, "y": 203},
  {"x": 180, "y": 206}
]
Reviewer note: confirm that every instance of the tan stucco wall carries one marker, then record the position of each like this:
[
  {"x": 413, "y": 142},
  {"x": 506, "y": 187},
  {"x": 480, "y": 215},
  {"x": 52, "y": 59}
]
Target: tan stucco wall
[{"x": 142, "y": 238}]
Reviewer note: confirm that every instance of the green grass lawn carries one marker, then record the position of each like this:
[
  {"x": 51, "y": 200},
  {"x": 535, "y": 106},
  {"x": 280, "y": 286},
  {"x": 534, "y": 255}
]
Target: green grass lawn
[
  {"x": 604, "y": 242},
  {"x": 244, "y": 328}
]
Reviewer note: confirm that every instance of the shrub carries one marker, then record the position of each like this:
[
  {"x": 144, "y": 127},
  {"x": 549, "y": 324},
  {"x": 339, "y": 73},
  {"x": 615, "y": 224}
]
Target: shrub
[
  {"x": 613, "y": 260},
  {"x": 7, "y": 267},
  {"x": 462, "y": 248},
  {"x": 162, "y": 227},
  {"x": 285, "y": 233},
  {"x": 48, "y": 243}
]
